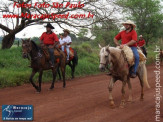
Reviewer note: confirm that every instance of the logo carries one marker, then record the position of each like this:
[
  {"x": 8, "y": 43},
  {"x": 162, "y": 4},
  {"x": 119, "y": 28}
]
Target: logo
[{"x": 17, "y": 112}]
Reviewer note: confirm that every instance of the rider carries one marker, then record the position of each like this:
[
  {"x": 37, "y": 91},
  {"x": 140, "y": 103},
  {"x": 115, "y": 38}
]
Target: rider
[
  {"x": 50, "y": 40},
  {"x": 67, "y": 40},
  {"x": 61, "y": 41},
  {"x": 129, "y": 37},
  {"x": 141, "y": 44}
]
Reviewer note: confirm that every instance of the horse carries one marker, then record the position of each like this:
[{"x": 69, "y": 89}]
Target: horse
[
  {"x": 73, "y": 61},
  {"x": 39, "y": 62},
  {"x": 120, "y": 71},
  {"x": 143, "y": 49}
]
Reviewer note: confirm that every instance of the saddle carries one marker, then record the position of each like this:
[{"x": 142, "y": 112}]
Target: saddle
[
  {"x": 130, "y": 56},
  {"x": 46, "y": 52},
  {"x": 71, "y": 53},
  {"x": 47, "y": 55}
]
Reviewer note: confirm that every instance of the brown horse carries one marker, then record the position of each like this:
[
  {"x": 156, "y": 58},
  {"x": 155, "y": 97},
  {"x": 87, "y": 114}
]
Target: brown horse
[
  {"x": 39, "y": 62},
  {"x": 73, "y": 61},
  {"x": 120, "y": 71}
]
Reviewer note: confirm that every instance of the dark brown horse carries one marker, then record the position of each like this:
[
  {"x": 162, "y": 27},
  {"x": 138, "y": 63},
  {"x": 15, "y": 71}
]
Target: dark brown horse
[
  {"x": 39, "y": 62},
  {"x": 72, "y": 64}
]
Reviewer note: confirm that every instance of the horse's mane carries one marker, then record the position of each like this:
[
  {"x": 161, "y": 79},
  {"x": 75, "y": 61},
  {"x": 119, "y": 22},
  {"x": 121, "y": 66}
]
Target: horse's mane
[
  {"x": 114, "y": 51},
  {"x": 34, "y": 45}
]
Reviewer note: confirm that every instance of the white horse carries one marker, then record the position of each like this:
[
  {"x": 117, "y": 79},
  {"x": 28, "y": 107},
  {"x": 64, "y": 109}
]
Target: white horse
[{"x": 120, "y": 71}]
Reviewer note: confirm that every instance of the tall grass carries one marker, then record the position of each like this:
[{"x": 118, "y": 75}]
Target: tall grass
[{"x": 14, "y": 69}]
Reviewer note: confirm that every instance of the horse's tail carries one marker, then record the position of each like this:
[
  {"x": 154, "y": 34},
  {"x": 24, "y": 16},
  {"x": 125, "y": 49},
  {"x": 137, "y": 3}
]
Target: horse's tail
[
  {"x": 145, "y": 76},
  {"x": 75, "y": 57}
]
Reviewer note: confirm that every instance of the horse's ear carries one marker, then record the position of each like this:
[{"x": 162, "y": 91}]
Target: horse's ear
[
  {"x": 28, "y": 39},
  {"x": 107, "y": 49},
  {"x": 99, "y": 46}
]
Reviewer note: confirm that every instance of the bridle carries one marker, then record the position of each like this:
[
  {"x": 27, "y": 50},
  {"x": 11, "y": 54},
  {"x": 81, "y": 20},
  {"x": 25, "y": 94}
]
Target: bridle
[
  {"x": 116, "y": 65},
  {"x": 39, "y": 55}
]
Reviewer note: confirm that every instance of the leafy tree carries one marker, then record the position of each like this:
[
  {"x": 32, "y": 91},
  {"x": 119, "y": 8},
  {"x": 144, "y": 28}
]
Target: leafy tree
[
  {"x": 147, "y": 16},
  {"x": 23, "y": 15},
  {"x": 105, "y": 32},
  {"x": 83, "y": 32},
  {"x": 73, "y": 37}
]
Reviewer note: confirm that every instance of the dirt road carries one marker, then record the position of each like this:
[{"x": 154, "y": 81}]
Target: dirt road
[{"x": 85, "y": 100}]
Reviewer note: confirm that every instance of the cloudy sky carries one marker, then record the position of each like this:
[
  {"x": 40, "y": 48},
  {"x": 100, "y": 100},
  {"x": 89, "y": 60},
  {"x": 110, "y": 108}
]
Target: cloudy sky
[{"x": 35, "y": 30}]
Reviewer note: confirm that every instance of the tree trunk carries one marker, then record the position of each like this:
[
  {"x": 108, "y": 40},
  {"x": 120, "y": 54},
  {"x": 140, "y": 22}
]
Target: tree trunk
[{"x": 8, "y": 41}]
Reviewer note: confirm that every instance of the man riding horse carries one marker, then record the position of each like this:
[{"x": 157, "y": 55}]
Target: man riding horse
[
  {"x": 50, "y": 40},
  {"x": 129, "y": 37},
  {"x": 141, "y": 44},
  {"x": 67, "y": 42}
]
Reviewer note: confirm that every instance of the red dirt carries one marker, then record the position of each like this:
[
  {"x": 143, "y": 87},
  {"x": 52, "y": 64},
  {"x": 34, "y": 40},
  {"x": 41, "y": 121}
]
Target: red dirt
[{"x": 85, "y": 100}]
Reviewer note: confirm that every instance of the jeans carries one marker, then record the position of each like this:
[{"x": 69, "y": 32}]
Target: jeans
[
  {"x": 68, "y": 51},
  {"x": 51, "y": 51},
  {"x": 63, "y": 48},
  {"x": 136, "y": 55}
]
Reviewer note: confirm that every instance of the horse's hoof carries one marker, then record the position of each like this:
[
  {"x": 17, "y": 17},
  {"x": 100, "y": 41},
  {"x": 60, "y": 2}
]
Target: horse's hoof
[
  {"x": 121, "y": 106},
  {"x": 37, "y": 92},
  {"x": 141, "y": 99},
  {"x": 51, "y": 88},
  {"x": 129, "y": 100},
  {"x": 64, "y": 86},
  {"x": 112, "y": 106}
]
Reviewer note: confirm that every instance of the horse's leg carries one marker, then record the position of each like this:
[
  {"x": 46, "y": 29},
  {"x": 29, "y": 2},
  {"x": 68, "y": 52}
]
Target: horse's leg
[
  {"x": 31, "y": 79},
  {"x": 123, "y": 94},
  {"x": 71, "y": 66},
  {"x": 40, "y": 80},
  {"x": 140, "y": 76},
  {"x": 130, "y": 90},
  {"x": 73, "y": 69},
  {"x": 110, "y": 88},
  {"x": 59, "y": 73},
  {"x": 54, "y": 70},
  {"x": 63, "y": 75}
]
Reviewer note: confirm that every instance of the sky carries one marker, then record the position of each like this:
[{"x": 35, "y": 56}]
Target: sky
[{"x": 35, "y": 30}]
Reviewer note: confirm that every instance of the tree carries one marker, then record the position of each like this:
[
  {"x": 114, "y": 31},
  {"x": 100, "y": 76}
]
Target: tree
[
  {"x": 105, "y": 32},
  {"x": 146, "y": 14},
  {"x": 83, "y": 32},
  {"x": 73, "y": 37},
  {"x": 94, "y": 7}
]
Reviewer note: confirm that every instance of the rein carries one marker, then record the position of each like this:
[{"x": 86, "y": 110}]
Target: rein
[
  {"x": 39, "y": 55},
  {"x": 115, "y": 73}
]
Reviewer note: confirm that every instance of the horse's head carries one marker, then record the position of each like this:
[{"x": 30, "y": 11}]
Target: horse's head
[
  {"x": 104, "y": 57},
  {"x": 26, "y": 47}
]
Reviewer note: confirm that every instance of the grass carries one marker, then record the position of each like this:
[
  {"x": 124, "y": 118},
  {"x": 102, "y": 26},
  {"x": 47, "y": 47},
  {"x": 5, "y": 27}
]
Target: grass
[{"x": 14, "y": 69}]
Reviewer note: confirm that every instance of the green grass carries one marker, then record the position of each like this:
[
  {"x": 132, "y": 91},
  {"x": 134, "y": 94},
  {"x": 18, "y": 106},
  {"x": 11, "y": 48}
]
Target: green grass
[
  {"x": 14, "y": 69},
  {"x": 150, "y": 50}
]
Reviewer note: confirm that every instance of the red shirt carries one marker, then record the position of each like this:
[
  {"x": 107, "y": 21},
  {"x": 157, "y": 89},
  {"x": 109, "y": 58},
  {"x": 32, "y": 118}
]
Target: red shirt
[
  {"x": 49, "y": 38},
  {"x": 127, "y": 37},
  {"x": 141, "y": 43}
]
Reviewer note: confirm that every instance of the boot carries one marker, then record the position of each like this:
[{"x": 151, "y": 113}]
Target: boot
[{"x": 133, "y": 75}]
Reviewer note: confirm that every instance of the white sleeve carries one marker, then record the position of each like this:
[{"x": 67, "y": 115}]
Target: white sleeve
[{"x": 69, "y": 40}]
